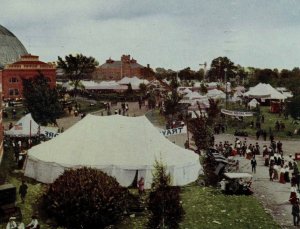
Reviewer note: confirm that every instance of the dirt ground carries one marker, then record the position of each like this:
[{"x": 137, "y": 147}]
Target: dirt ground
[{"x": 272, "y": 194}]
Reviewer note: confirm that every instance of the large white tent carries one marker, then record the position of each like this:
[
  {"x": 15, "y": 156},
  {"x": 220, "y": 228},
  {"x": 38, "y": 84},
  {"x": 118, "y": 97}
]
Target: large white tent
[
  {"x": 118, "y": 145},
  {"x": 264, "y": 91}
]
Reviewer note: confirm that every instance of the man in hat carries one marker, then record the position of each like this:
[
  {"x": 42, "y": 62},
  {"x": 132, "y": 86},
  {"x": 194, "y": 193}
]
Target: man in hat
[
  {"x": 295, "y": 213},
  {"x": 11, "y": 223},
  {"x": 23, "y": 191}
]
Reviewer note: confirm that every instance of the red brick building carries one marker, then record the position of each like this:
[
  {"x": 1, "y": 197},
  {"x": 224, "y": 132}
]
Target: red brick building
[
  {"x": 27, "y": 67},
  {"x": 117, "y": 69}
]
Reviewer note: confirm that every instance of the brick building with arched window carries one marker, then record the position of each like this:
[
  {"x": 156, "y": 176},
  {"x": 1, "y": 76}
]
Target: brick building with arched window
[{"x": 27, "y": 67}]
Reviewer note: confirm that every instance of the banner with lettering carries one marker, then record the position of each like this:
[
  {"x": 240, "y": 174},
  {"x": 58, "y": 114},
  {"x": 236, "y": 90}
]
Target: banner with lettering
[
  {"x": 174, "y": 131},
  {"x": 237, "y": 113}
]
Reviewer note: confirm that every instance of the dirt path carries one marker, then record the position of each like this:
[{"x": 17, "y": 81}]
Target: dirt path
[{"x": 272, "y": 194}]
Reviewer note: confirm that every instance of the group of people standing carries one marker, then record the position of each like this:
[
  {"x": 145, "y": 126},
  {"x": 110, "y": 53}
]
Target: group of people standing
[{"x": 14, "y": 224}]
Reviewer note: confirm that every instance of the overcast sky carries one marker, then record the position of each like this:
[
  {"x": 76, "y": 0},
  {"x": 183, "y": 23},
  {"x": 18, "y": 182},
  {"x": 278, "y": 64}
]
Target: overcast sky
[{"x": 164, "y": 33}]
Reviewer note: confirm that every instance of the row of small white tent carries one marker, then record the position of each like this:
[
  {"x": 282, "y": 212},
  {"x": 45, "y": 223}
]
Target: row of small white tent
[{"x": 110, "y": 85}]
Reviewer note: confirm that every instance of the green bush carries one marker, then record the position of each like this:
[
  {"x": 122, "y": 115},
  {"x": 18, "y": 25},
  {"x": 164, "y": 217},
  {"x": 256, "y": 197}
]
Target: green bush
[
  {"x": 164, "y": 201},
  {"x": 85, "y": 198}
]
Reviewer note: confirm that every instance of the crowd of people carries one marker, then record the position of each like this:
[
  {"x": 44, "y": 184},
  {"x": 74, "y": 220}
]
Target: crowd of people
[{"x": 13, "y": 223}]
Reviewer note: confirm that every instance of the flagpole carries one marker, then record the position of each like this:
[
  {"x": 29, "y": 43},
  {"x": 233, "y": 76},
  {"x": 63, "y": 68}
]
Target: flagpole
[{"x": 30, "y": 135}]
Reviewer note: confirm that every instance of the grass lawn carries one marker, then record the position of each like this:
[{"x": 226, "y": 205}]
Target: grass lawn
[
  {"x": 208, "y": 208},
  {"x": 204, "y": 207},
  {"x": 156, "y": 118},
  {"x": 270, "y": 120}
]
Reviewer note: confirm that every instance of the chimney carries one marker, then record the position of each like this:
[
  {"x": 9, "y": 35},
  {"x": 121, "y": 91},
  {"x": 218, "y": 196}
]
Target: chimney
[{"x": 148, "y": 65}]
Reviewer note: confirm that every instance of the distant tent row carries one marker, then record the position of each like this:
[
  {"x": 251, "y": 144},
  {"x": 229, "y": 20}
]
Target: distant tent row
[
  {"x": 121, "y": 85},
  {"x": 123, "y": 147}
]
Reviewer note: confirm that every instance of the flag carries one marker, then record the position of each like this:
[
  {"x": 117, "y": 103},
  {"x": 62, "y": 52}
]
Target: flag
[{"x": 18, "y": 126}]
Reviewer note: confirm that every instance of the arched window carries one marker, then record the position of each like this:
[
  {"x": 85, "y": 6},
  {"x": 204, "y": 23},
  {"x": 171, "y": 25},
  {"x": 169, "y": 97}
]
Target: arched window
[{"x": 13, "y": 80}]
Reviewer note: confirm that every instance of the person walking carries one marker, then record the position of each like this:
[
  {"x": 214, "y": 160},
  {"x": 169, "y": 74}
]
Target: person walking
[
  {"x": 295, "y": 213},
  {"x": 23, "y": 191},
  {"x": 253, "y": 164}
]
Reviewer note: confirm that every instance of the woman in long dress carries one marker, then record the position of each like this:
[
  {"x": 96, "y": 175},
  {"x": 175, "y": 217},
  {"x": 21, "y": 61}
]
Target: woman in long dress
[
  {"x": 293, "y": 195},
  {"x": 281, "y": 176}
]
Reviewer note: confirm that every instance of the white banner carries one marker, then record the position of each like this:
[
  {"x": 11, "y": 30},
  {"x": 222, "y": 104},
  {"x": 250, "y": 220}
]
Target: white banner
[
  {"x": 237, "y": 113},
  {"x": 174, "y": 131}
]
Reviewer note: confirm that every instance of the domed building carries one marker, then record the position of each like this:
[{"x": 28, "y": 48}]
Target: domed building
[{"x": 10, "y": 47}]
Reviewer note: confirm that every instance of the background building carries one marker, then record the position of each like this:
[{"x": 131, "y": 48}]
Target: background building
[
  {"x": 117, "y": 69},
  {"x": 10, "y": 47},
  {"x": 27, "y": 67}
]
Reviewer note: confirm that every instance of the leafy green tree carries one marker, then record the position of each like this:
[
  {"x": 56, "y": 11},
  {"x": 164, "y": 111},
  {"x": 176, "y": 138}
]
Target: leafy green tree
[
  {"x": 294, "y": 107},
  {"x": 217, "y": 69},
  {"x": 129, "y": 89},
  {"x": 265, "y": 76},
  {"x": 201, "y": 130},
  {"x": 171, "y": 103},
  {"x": 143, "y": 88},
  {"x": 76, "y": 68},
  {"x": 165, "y": 208},
  {"x": 85, "y": 198},
  {"x": 41, "y": 100}
]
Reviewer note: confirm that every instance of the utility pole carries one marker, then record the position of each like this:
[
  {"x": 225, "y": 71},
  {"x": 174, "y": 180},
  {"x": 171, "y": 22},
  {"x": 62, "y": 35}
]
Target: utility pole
[
  {"x": 226, "y": 98},
  {"x": 204, "y": 74}
]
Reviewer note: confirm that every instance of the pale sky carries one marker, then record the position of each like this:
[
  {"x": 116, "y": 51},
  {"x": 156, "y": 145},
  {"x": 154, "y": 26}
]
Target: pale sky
[{"x": 163, "y": 33}]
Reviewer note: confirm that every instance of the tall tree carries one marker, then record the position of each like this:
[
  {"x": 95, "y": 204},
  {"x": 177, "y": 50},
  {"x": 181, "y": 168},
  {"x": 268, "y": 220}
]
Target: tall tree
[
  {"x": 41, "y": 100},
  {"x": 77, "y": 68},
  {"x": 164, "y": 204},
  {"x": 217, "y": 69},
  {"x": 265, "y": 76}
]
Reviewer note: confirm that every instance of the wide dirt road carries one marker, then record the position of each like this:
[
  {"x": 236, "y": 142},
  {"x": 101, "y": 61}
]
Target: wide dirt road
[{"x": 272, "y": 194}]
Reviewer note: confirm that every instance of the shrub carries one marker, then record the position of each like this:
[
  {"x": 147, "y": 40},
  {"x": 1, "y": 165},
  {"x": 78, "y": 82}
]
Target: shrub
[
  {"x": 85, "y": 198},
  {"x": 164, "y": 201}
]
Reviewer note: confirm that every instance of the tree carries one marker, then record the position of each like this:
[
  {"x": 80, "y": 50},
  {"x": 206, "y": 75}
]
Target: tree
[
  {"x": 265, "y": 76},
  {"x": 171, "y": 103},
  {"x": 41, "y": 100},
  {"x": 129, "y": 89},
  {"x": 201, "y": 131},
  {"x": 294, "y": 107},
  {"x": 217, "y": 69},
  {"x": 77, "y": 68},
  {"x": 164, "y": 200},
  {"x": 85, "y": 198},
  {"x": 143, "y": 88}
]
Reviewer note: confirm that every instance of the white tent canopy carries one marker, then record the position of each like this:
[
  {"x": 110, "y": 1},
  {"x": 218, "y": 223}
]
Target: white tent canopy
[
  {"x": 265, "y": 91},
  {"x": 134, "y": 81},
  {"x": 253, "y": 103},
  {"x": 118, "y": 145},
  {"x": 216, "y": 94},
  {"x": 25, "y": 127}
]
